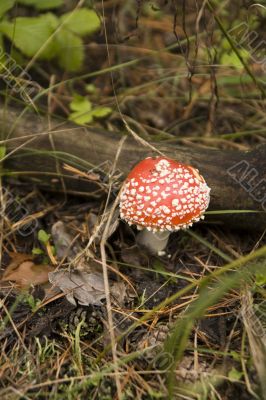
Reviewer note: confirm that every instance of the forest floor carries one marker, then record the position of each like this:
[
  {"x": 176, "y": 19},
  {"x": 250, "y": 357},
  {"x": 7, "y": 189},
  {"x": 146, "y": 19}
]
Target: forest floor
[{"x": 180, "y": 329}]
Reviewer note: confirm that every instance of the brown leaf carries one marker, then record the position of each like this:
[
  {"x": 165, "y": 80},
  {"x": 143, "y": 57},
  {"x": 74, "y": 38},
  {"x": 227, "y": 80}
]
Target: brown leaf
[
  {"x": 16, "y": 260},
  {"x": 85, "y": 288},
  {"x": 64, "y": 242},
  {"x": 24, "y": 272}
]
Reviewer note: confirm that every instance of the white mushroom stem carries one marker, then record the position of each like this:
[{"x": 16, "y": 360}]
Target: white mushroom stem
[{"x": 154, "y": 241}]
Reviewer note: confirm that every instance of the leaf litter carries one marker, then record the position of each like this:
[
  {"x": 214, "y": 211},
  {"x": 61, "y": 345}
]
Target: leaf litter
[
  {"x": 81, "y": 285},
  {"x": 24, "y": 272},
  {"x": 84, "y": 288}
]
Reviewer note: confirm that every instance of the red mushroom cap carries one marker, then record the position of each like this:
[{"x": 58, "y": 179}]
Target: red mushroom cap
[{"x": 162, "y": 194}]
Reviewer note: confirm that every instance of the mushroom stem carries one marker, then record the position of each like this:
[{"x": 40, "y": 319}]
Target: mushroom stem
[{"x": 154, "y": 241}]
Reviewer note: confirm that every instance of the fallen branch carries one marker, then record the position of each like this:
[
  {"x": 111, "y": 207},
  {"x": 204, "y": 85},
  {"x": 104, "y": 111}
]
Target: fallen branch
[{"x": 237, "y": 179}]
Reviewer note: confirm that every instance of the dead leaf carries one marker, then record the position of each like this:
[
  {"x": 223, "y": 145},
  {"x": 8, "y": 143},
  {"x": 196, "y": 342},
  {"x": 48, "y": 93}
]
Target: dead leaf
[
  {"x": 84, "y": 287},
  {"x": 24, "y": 272},
  {"x": 119, "y": 292},
  {"x": 67, "y": 247},
  {"x": 64, "y": 242},
  {"x": 16, "y": 260}
]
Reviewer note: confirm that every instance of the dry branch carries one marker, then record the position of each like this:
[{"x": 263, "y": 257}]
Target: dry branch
[{"x": 98, "y": 148}]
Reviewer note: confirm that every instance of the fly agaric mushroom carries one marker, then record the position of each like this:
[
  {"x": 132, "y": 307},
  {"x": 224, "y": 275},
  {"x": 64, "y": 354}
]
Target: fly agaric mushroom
[{"x": 162, "y": 195}]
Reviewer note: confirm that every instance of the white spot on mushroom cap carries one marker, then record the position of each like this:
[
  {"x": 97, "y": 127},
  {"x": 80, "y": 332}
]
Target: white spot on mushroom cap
[{"x": 166, "y": 209}]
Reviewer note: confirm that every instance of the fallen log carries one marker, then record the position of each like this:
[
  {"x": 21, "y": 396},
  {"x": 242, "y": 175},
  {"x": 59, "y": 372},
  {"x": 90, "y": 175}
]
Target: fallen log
[{"x": 37, "y": 152}]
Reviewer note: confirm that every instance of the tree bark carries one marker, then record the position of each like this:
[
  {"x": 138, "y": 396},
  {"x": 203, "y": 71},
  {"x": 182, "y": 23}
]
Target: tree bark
[{"x": 237, "y": 179}]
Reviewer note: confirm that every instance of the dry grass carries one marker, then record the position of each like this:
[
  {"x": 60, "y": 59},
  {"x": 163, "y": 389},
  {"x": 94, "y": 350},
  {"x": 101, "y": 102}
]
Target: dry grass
[{"x": 188, "y": 326}]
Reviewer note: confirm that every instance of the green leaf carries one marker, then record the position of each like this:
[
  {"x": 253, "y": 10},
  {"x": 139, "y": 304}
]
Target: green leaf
[
  {"x": 53, "y": 250},
  {"x": 90, "y": 88},
  {"x": 235, "y": 374},
  {"x": 5, "y": 5},
  {"x": 80, "y": 103},
  {"x": 31, "y": 34},
  {"x": 70, "y": 50},
  {"x": 101, "y": 112},
  {"x": 43, "y": 236},
  {"x": 235, "y": 355},
  {"x": 231, "y": 59},
  {"x": 2, "y": 152},
  {"x": 260, "y": 279},
  {"x": 36, "y": 251},
  {"x": 82, "y": 110},
  {"x": 82, "y": 22},
  {"x": 42, "y": 4},
  {"x": 81, "y": 118}
]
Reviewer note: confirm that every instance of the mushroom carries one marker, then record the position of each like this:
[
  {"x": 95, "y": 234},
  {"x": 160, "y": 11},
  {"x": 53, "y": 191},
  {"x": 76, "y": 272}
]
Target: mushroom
[{"x": 162, "y": 196}]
